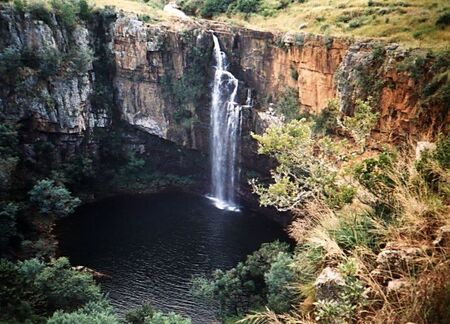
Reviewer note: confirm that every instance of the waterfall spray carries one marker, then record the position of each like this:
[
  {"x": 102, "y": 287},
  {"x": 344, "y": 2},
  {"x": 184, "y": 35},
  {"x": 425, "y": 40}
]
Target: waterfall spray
[{"x": 225, "y": 133}]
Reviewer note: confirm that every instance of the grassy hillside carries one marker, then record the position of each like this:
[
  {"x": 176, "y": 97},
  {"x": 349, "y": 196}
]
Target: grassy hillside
[{"x": 412, "y": 22}]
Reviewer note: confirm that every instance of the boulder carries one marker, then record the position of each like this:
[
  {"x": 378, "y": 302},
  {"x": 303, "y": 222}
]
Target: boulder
[
  {"x": 329, "y": 284},
  {"x": 443, "y": 237}
]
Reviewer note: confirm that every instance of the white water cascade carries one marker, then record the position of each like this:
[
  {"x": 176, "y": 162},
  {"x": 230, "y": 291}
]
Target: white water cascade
[{"x": 225, "y": 133}]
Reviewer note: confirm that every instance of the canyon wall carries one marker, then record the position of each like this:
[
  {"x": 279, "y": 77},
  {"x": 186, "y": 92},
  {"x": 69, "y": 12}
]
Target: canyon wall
[{"x": 157, "y": 77}]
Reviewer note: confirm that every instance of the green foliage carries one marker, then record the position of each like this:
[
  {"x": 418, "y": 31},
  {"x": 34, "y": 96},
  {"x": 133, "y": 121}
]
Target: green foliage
[
  {"x": 186, "y": 92},
  {"x": 80, "y": 61},
  {"x": 41, "y": 248},
  {"x": 10, "y": 61},
  {"x": 244, "y": 286},
  {"x": 337, "y": 196},
  {"x": 414, "y": 64},
  {"x": 65, "y": 12},
  {"x": 8, "y": 224},
  {"x": 39, "y": 9},
  {"x": 326, "y": 122},
  {"x": 20, "y": 300},
  {"x": 280, "y": 277},
  {"x": 98, "y": 312},
  {"x": 443, "y": 20},
  {"x": 85, "y": 9},
  {"x": 53, "y": 200},
  {"x": 49, "y": 63},
  {"x": 301, "y": 173},
  {"x": 246, "y": 6},
  {"x": 374, "y": 173},
  {"x": 351, "y": 298},
  {"x": 288, "y": 105},
  {"x": 211, "y": 8},
  {"x": 31, "y": 268},
  {"x": 169, "y": 318},
  {"x": 146, "y": 314},
  {"x": 294, "y": 73},
  {"x": 358, "y": 230},
  {"x": 65, "y": 288},
  {"x": 426, "y": 165},
  {"x": 32, "y": 290},
  {"x": 442, "y": 152},
  {"x": 9, "y": 159},
  {"x": 361, "y": 123},
  {"x": 138, "y": 315}
]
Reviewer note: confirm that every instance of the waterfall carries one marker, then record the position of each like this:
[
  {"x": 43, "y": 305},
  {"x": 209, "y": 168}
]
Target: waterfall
[{"x": 225, "y": 133}]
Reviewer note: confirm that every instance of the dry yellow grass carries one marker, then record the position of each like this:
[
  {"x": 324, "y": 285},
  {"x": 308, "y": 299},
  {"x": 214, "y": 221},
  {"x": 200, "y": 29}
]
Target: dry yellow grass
[
  {"x": 411, "y": 22},
  {"x": 151, "y": 8}
]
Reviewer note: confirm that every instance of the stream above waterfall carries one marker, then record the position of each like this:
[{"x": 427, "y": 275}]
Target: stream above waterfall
[{"x": 152, "y": 245}]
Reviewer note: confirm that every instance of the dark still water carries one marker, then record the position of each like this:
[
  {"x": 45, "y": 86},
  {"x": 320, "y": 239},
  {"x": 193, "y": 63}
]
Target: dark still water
[{"x": 152, "y": 246}]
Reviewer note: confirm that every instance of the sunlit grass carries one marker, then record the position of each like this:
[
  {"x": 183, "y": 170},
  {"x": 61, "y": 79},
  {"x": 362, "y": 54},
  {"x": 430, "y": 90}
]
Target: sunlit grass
[
  {"x": 152, "y": 7},
  {"x": 412, "y": 23}
]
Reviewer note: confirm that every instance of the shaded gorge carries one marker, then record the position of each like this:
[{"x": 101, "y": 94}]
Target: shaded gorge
[{"x": 152, "y": 245}]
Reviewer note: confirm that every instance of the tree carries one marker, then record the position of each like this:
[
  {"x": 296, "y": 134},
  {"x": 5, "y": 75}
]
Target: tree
[
  {"x": 301, "y": 173},
  {"x": 66, "y": 288},
  {"x": 138, "y": 315},
  {"x": 19, "y": 298},
  {"x": 361, "y": 123},
  {"x": 53, "y": 200},
  {"x": 243, "y": 287}
]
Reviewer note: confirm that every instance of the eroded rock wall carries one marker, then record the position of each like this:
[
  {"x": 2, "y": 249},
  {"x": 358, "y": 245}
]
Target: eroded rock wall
[{"x": 157, "y": 77}]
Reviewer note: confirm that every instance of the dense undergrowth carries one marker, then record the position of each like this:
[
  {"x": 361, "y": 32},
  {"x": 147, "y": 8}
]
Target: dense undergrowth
[{"x": 371, "y": 230}]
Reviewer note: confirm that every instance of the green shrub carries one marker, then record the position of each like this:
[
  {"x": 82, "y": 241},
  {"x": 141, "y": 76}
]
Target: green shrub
[
  {"x": 65, "y": 288},
  {"x": 10, "y": 61},
  {"x": 191, "y": 7},
  {"x": 8, "y": 224},
  {"x": 338, "y": 196},
  {"x": 350, "y": 300},
  {"x": 244, "y": 286},
  {"x": 80, "y": 60},
  {"x": 99, "y": 312},
  {"x": 353, "y": 231},
  {"x": 9, "y": 140},
  {"x": 85, "y": 10},
  {"x": 443, "y": 20},
  {"x": 50, "y": 63},
  {"x": 53, "y": 200},
  {"x": 66, "y": 12},
  {"x": 414, "y": 64},
  {"x": 19, "y": 5},
  {"x": 356, "y": 23},
  {"x": 20, "y": 300},
  {"x": 168, "y": 318},
  {"x": 326, "y": 122},
  {"x": 279, "y": 280},
  {"x": 211, "y": 8},
  {"x": 442, "y": 152},
  {"x": 247, "y": 6},
  {"x": 294, "y": 73},
  {"x": 288, "y": 105},
  {"x": 373, "y": 173},
  {"x": 362, "y": 122},
  {"x": 138, "y": 315},
  {"x": 40, "y": 10}
]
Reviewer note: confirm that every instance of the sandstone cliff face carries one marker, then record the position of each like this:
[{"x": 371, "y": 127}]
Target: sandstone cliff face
[
  {"x": 158, "y": 79},
  {"x": 60, "y": 104}
]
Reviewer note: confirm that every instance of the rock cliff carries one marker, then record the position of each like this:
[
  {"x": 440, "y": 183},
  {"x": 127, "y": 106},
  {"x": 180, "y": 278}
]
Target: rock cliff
[{"x": 116, "y": 69}]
